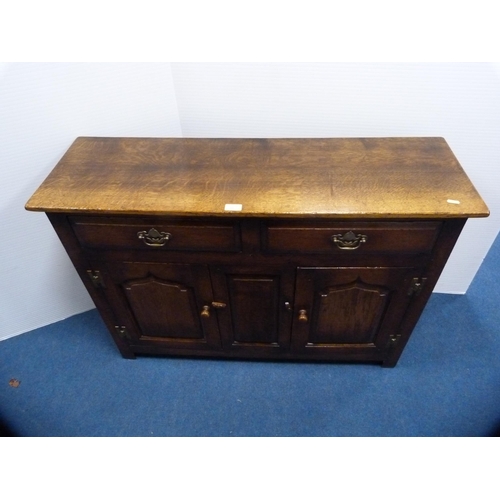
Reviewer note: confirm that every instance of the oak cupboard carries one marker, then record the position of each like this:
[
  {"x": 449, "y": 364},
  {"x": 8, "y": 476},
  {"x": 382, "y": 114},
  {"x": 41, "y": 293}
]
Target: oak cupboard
[{"x": 305, "y": 249}]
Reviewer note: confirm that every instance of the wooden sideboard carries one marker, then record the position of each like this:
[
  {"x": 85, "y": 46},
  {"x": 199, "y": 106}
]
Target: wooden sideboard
[{"x": 303, "y": 249}]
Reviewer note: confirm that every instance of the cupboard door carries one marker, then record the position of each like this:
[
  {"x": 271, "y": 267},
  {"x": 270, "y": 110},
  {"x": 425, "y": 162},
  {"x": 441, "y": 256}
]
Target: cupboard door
[
  {"x": 256, "y": 316},
  {"x": 166, "y": 305},
  {"x": 349, "y": 310}
]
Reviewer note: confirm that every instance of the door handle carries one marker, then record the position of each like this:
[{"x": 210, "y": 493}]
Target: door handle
[{"x": 303, "y": 315}]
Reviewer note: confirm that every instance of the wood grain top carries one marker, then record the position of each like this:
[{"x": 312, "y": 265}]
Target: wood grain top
[{"x": 345, "y": 178}]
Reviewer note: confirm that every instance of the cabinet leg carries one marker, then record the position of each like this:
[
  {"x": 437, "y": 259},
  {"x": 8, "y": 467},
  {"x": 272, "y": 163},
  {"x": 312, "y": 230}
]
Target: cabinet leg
[
  {"x": 125, "y": 351},
  {"x": 389, "y": 363},
  {"x": 128, "y": 355},
  {"x": 392, "y": 358}
]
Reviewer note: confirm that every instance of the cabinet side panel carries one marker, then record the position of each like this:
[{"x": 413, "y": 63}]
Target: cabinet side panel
[
  {"x": 70, "y": 243},
  {"x": 450, "y": 232}
]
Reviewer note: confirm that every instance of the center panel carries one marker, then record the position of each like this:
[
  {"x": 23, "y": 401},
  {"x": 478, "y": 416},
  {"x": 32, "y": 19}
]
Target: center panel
[
  {"x": 254, "y": 308},
  {"x": 256, "y": 319}
]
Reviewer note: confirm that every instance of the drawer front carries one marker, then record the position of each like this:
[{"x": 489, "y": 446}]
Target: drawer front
[
  {"x": 356, "y": 237},
  {"x": 156, "y": 235}
]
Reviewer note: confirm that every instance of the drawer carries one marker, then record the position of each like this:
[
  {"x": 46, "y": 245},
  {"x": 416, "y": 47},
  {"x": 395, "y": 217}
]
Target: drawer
[
  {"x": 156, "y": 234},
  {"x": 344, "y": 237}
]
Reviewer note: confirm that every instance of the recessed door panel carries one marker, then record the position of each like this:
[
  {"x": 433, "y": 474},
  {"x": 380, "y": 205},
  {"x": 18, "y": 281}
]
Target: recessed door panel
[
  {"x": 254, "y": 308},
  {"x": 349, "y": 309},
  {"x": 164, "y": 309},
  {"x": 164, "y": 304},
  {"x": 258, "y": 313},
  {"x": 348, "y": 313}
]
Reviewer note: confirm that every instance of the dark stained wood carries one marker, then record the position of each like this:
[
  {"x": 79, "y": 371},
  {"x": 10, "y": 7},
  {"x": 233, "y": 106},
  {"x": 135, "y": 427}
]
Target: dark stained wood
[
  {"x": 392, "y": 237},
  {"x": 333, "y": 256},
  {"x": 373, "y": 177},
  {"x": 254, "y": 308},
  {"x": 82, "y": 264},
  {"x": 114, "y": 233},
  {"x": 449, "y": 235},
  {"x": 349, "y": 308},
  {"x": 348, "y": 314},
  {"x": 163, "y": 303},
  {"x": 255, "y": 317},
  {"x": 164, "y": 309}
]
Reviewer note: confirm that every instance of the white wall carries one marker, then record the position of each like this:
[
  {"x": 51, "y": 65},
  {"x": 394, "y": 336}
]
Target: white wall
[
  {"x": 457, "y": 101},
  {"x": 44, "y": 107}
]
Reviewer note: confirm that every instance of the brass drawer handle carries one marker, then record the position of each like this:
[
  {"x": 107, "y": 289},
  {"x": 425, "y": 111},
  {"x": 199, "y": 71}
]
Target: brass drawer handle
[
  {"x": 153, "y": 237},
  {"x": 303, "y": 315},
  {"x": 349, "y": 241}
]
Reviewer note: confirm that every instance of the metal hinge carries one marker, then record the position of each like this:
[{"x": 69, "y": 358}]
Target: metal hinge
[
  {"x": 122, "y": 332},
  {"x": 416, "y": 286},
  {"x": 96, "y": 278},
  {"x": 394, "y": 339},
  {"x": 219, "y": 305}
]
